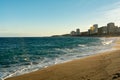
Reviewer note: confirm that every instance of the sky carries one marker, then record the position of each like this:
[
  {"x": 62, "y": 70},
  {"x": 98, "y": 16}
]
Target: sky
[{"x": 37, "y": 18}]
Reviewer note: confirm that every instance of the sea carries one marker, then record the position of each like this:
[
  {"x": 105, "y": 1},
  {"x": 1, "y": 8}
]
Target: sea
[{"x": 22, "y": 55}]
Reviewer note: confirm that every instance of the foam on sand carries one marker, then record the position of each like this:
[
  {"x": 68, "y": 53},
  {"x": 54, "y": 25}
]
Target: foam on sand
[{"x": 99, "y": 66}]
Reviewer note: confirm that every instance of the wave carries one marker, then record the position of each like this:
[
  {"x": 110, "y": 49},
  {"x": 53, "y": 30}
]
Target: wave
[
  {"x": 107, "y": 42},
  {"x": 81, "y": 45},
  {"x": 61, "y": 55}
]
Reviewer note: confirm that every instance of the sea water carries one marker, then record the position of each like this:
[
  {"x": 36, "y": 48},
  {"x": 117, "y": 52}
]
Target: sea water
[{"x": 22, "y": 55}]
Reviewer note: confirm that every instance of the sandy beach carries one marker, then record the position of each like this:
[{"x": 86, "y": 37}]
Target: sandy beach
[{"x": 103, "y": 66}]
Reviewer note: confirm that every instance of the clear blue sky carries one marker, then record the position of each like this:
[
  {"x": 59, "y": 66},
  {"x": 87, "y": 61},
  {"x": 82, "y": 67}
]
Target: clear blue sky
[{"x": 52, "y": 17}]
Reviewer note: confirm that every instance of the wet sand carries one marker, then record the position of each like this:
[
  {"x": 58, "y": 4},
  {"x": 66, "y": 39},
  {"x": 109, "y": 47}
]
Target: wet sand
[{"x": 103, "y": 66}]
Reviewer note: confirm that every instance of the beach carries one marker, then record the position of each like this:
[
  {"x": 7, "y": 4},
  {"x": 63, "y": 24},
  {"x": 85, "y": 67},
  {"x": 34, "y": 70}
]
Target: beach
[{"x": 103, "y": 66}]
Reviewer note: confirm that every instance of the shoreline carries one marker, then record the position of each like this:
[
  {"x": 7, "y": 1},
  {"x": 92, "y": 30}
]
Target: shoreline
[
  {"x": 63, "y": 59},
  {"x": 103, "y": 66}
]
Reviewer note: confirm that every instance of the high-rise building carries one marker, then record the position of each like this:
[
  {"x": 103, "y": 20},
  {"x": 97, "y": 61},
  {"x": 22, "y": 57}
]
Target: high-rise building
[
  {"x": 111, "y": 28},
  {"x": 91, "y": 30},
  {"x": 77, "y": 32},
  {"x": 102, "y": 30},
  {"x": 118, "y": 30},
  {"x": 94, "y": 29}
]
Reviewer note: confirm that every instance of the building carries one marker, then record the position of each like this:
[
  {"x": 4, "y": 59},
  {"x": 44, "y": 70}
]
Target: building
[
  {"x": 84, "y": 33},
  {"x": 73, "y": 33},
  {"x": 102, "y": 30},
  {"x": 93, "y": 29},
  {"x": 118, "y": 30},
  {"x": 111, "y": 28},
  {"x": 77, "y": 32},
  {"x": 89, "y": 32}
]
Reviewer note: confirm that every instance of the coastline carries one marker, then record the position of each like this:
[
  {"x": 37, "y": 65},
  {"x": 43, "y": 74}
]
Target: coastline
[{"x": 96, "y": 67}]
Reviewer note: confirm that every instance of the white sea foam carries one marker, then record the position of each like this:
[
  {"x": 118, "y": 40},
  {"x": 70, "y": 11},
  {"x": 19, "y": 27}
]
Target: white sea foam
[
  {"x": 80, "y": 45},
  {"x": 69, "y": 54},
  {"x": 107, "y": 42}
]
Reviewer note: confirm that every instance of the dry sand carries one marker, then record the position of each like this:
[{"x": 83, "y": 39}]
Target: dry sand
[{"x": 104, "y": 66}]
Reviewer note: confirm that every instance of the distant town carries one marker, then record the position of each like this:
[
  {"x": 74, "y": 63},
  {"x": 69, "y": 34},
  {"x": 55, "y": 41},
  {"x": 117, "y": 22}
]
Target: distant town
[{"x": 109, "y": 30}]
